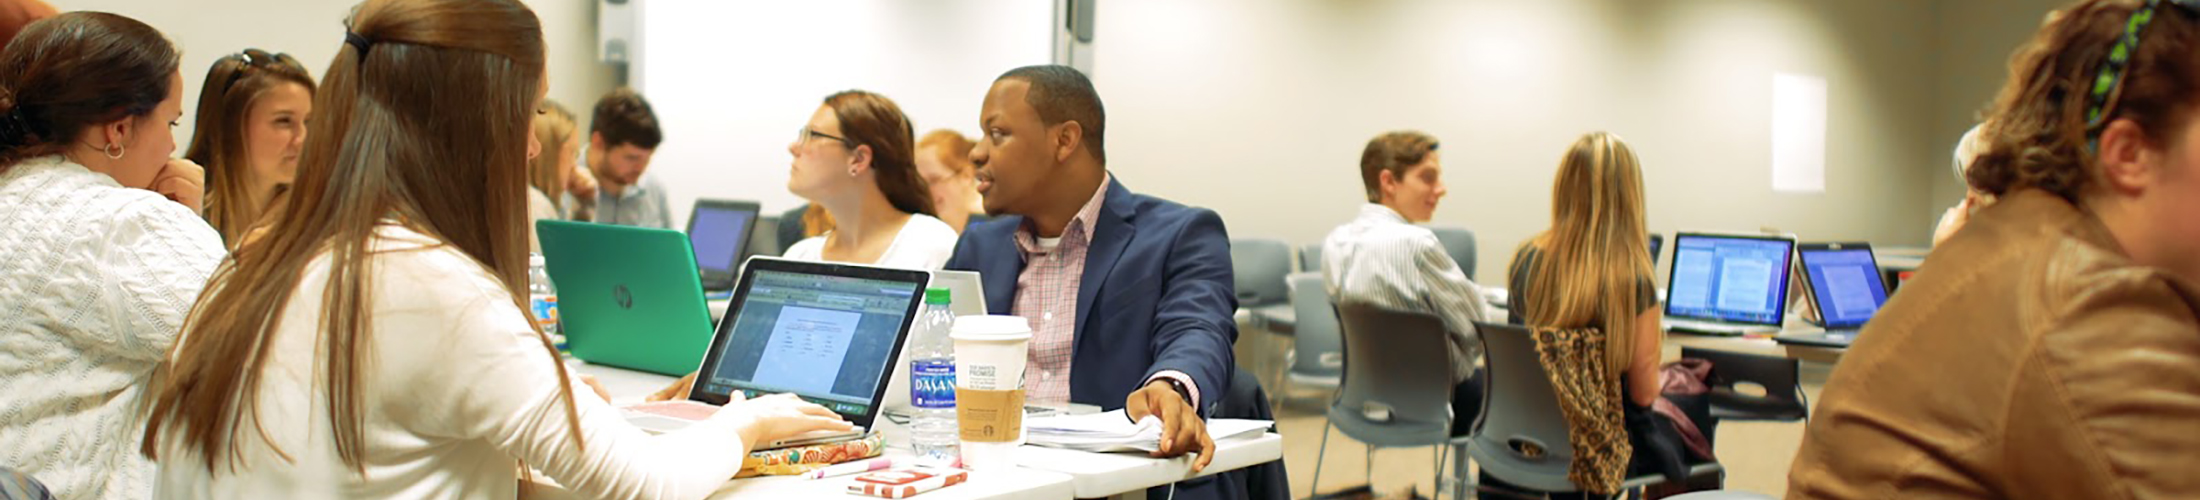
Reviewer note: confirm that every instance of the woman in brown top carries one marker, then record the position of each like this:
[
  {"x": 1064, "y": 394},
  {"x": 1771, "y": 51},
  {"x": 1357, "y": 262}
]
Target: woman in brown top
[{"x": 2050, "y": 349}]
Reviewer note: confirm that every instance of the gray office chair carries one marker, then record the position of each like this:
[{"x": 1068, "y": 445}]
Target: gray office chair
[
  {"x": 1317, "y": 357},
  {"x": 1780, "y": 377},
  {"x": 1459, "y": 243},
  {"x": 1310, "y": 257},
  {"x": 1259, "y": 266},
  {"x": 15, "y": 485},
  {"x": 1396, "y": 386},
  {"x": 1520, "y": 409}
]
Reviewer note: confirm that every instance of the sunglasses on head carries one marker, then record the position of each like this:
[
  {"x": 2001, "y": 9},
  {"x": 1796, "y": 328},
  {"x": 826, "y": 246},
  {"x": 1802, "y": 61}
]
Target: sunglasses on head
[
  {"x": 248, "y": 61},
  {"x": 2108, "y": 85}
]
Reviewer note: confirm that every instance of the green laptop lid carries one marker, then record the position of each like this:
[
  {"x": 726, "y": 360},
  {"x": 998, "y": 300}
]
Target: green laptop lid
[{"x": 629, "y": 296}]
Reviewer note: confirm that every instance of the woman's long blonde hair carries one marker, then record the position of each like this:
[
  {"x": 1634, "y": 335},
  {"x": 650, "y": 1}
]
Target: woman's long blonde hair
[
  {"x": 1596, "y": 255},
  {"x": 394, "y": 142},
  {"x": 553, "y": 128}
]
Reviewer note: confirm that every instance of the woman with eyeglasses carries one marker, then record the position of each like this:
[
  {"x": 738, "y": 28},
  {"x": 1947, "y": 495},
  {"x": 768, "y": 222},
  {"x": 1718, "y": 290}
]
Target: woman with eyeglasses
[
  {"x": 856, "y": 161},
  {"x": 857, "y": 158},
  {"x": 2051, "y": 349},
  {"x": 251, "y": 127},
  {"x": 102, "y": 251}
]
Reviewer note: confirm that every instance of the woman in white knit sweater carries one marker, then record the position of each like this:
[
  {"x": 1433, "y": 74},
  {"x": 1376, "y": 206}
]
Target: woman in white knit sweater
[
  {"x": 104, "y": 251},
  {"x": 372, "y": 345}
]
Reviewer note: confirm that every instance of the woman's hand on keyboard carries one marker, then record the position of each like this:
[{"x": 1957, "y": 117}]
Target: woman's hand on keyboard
[{"x": 778, "y": 416}]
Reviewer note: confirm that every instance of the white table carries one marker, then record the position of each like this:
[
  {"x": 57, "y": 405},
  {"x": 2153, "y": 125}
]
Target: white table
[
  {"x": 1127, "y": 475},
  {"x": 1044, "y": 473}
]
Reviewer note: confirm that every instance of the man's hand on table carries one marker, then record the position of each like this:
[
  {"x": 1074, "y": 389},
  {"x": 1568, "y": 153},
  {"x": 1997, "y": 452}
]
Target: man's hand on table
[{"x": 1182, "y": 431}]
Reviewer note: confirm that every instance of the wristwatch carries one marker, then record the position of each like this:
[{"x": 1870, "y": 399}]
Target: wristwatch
[{"x": 1181, "y": 390}]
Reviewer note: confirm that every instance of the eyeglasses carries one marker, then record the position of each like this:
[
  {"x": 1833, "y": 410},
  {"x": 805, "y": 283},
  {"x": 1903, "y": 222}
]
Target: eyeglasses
[
  {"x": 803, "y": 135},
  {"x": 2108, "y": 86},
  {"x": 249, "y": 60}
]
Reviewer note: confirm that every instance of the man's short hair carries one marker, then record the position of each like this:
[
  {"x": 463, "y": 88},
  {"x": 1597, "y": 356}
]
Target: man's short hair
[
  {"x": 1063, "y": 94},
  {"x": 1394, "y": 152},
  {"x": 623, "y": 117}
]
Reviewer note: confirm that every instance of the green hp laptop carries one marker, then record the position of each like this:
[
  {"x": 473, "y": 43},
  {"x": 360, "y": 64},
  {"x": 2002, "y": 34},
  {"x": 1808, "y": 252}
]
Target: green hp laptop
[{"x": 629, "y": 296}]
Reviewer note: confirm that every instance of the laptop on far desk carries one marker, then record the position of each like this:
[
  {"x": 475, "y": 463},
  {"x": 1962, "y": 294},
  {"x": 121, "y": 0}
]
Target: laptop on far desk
[
  {"x": 720, "y": 231},
  {"x": 1844, "y": 282},
  {"x": 628, "y": 296},
  {"x": 1727, "y": 284},
  {"x": 825, "y": 332}
]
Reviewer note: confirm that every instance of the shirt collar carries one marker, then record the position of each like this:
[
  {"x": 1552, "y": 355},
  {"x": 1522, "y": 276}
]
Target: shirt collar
[
  {"x": 1081, "y": 224},
  {"x": 1376, "y": 212}
]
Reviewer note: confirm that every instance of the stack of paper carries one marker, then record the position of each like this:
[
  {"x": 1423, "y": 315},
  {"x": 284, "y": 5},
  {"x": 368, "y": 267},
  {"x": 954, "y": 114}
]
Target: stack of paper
[{"x": 1113, "y": 431}]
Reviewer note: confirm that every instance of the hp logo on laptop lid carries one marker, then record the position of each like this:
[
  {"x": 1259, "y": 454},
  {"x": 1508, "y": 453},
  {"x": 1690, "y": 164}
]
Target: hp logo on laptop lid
[{"x": 620, "y": 295}]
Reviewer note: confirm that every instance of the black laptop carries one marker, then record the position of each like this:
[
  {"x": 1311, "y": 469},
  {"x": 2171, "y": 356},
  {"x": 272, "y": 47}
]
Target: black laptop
[{"x": 720, "y": 231}]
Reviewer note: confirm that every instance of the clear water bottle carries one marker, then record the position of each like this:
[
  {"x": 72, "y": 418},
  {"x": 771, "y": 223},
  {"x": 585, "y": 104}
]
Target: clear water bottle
[
  {"x": 935, "y": 432},
  {"x": 542, "y": 300}
]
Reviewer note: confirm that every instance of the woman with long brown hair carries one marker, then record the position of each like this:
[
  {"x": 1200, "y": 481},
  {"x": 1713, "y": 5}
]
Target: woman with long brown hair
[
  {"x": 251, "y": 128},
  {"x": 1591, "y": 270},
  {"x": 2050, "y": 349},
  {"x": 943, "y": 158},
  {"x": 856, "y": 158},
  {"x": 100, "y": 270},
  {"x": 372, "y": 344}
]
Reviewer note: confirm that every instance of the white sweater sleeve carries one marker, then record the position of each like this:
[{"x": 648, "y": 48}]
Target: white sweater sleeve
[
  {"x": 157, "y": 258},
  {"x": 486, "y": 376}
]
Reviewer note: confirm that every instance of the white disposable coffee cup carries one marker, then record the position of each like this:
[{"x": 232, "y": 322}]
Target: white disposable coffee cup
[{"x": 990, "y": 353}]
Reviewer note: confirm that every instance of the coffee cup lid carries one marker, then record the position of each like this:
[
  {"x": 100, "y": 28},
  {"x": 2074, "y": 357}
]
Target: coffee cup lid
[{"x": 991, "y": 328}]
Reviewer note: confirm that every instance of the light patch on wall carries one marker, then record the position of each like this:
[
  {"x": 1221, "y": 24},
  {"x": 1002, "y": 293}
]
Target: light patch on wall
[{"x": 1798, "y": 133}]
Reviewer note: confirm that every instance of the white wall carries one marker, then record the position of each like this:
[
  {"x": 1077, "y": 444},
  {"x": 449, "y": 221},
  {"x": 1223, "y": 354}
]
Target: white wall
[
  {"x": 312, "y": 30},
  {"x": 1259, "y": 109},
  {"x": 1976, "y": 39},
  {"x": 732, "y": 81}
]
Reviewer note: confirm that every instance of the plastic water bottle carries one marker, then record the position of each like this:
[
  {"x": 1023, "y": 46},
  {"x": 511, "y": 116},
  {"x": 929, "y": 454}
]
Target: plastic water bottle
[
  {"x": 542, "y": 300},
  {"x": 936, "y": 434}
]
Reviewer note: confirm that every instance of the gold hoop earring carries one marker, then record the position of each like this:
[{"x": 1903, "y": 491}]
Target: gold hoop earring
[
  {"x": 114, "y": 151},
  {"x": 851, "y": 172}
]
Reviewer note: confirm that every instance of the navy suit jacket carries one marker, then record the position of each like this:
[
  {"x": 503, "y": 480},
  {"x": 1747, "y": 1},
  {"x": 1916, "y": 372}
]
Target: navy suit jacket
[{"x": 1156, "y": 295}]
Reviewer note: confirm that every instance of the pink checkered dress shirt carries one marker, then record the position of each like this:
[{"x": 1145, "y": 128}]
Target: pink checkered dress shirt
[{"x": 1046, "y": 294}]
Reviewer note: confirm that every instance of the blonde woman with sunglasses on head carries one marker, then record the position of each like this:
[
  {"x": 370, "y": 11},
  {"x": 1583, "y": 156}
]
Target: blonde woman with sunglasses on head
[{"x": 251, "y": 124}]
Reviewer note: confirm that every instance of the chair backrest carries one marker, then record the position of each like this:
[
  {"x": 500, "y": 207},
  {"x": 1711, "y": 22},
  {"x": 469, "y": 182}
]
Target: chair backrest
[
  {"x": 1520, "y": 408},
  {"x": 1319, "y": 340},
  {"x": 1397, "y": 378},
  {"x": 1781, "y": 378},
  {"x": 1459, "y": 242},
  {"x": 1310, "y": 257},
  {"x": 1259, "y": 266}
]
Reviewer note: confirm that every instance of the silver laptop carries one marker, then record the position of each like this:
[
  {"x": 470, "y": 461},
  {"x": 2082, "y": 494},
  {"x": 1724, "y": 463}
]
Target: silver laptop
[
  {"x": 966, "y": 298},
  {"x": 1724, "y": 284},
  {"x": 1844, "y": 282},
  {"x": 827, "y": 333}
]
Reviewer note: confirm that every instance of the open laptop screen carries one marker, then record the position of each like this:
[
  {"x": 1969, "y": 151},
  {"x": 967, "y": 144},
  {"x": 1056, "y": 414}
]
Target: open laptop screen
[
  {"x": 719, "y": 232},
  {"x": 824, "y": 337},
  {"x": 1845, "y": 281},
  {"x": 1739, "y": 279}
]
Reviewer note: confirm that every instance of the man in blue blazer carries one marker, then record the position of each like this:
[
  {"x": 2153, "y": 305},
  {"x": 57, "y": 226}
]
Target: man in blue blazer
[{"x": 1130, "y": 296}]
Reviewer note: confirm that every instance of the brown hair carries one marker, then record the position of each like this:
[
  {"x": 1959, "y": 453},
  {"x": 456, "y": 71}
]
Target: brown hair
[
  {"x": 872, "y": 121},
  {"x": 953, "y": 150},
  {"x": 73, "y": 71},
  {"x": 233, "y": 84},
  {"x": 1393, "y": 152},
  {"x": 1596, "y": 254},
  {"x": 461, "y": 182},
  {"x": 553, "y": 127},
  {"x": 2036, "y": 134},
  {"x": 624, "y": 118}
]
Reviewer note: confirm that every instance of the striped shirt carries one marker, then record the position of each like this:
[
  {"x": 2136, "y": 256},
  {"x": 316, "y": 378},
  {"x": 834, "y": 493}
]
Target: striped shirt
[
  {"x": 1381, "y": 260},
  {"x": 1046, "y": 295}
]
